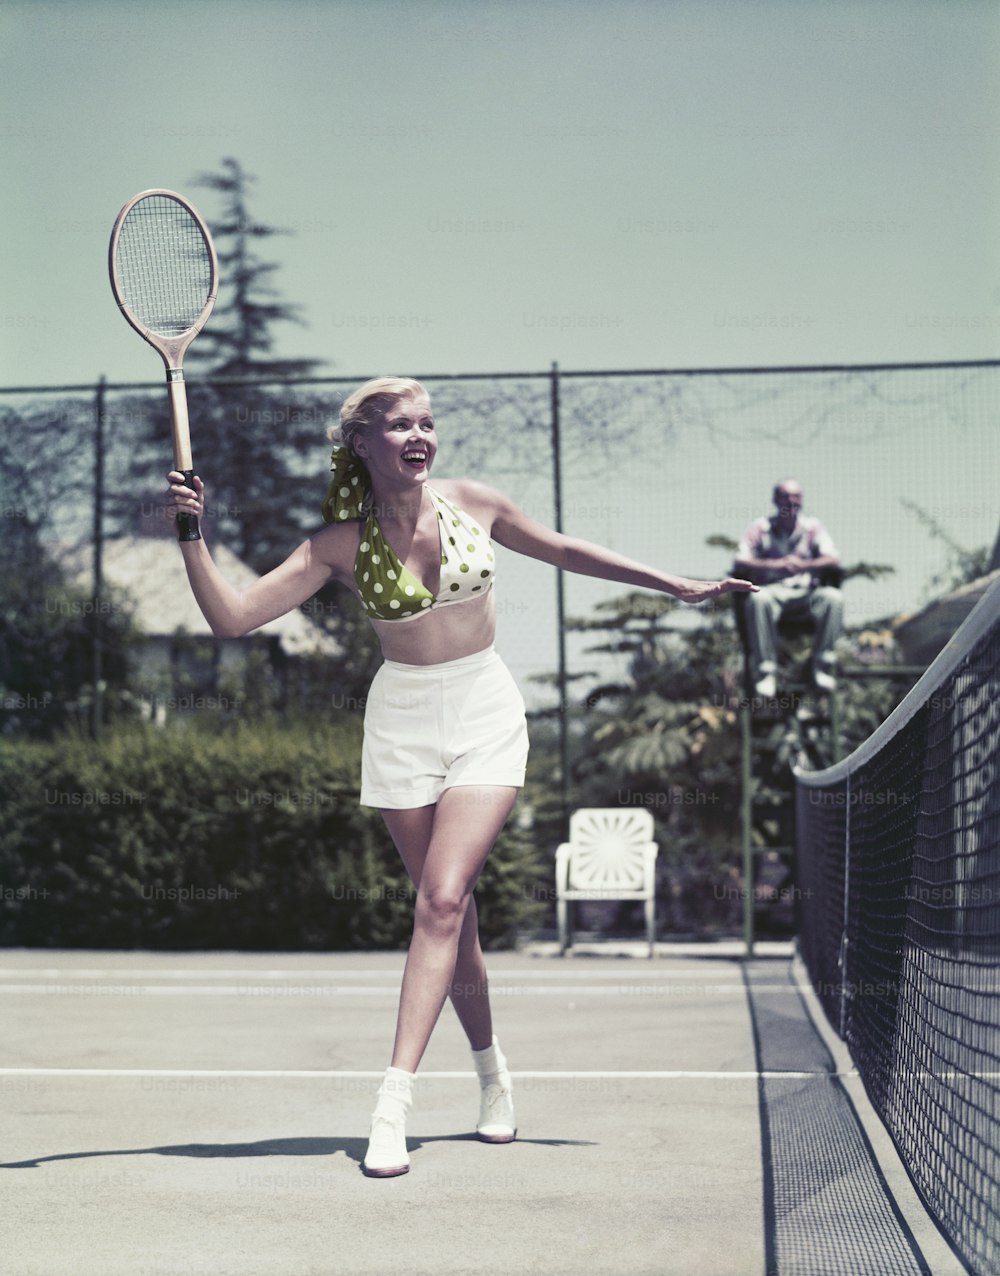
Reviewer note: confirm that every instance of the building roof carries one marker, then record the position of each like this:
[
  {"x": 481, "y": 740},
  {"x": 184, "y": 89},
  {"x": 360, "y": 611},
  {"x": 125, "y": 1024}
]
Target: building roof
[{"x": 150, "y": 572}]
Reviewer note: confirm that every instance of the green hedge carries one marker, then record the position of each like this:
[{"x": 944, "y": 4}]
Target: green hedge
[{"x": 248, "y": 839}]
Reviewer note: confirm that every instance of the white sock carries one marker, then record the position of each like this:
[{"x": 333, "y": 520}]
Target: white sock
[
  {"x": 395, "y": 1094},
  {"x": 489, "y": 1063}
]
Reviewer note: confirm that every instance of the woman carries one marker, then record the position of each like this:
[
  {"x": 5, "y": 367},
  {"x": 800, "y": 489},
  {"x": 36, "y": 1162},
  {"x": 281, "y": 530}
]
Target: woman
[{"x": 445, "y": 739}]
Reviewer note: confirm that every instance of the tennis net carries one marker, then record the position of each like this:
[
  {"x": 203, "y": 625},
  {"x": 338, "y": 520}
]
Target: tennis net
[{"x": 898, "y": 851}]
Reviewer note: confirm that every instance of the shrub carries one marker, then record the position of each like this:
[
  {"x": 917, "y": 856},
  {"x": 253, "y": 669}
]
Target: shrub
[{"x": 249, "y": 839}]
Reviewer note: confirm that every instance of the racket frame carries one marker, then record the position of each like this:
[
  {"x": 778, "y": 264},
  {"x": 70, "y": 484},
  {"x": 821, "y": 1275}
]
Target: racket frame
[{"x": 173, "y": 348}]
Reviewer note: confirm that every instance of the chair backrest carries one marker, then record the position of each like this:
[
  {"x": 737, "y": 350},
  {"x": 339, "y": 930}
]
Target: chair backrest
[{"x": 606, "y": 848}]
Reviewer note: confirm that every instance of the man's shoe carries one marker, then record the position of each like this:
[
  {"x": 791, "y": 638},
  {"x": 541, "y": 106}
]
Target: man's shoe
[
  {"x": 824, "y": 681},
  {"x": 767, "y": 687}
]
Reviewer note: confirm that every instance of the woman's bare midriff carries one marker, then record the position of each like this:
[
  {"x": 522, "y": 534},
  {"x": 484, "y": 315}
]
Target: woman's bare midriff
[{"x": 445, "y": 633}]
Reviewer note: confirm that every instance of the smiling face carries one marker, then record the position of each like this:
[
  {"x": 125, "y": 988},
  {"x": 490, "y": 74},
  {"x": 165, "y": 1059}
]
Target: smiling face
[{"x": 399, "y": 446}]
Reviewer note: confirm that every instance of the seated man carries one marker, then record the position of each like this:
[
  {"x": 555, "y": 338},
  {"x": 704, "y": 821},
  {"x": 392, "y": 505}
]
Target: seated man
[{"x": 785, "y": 554}]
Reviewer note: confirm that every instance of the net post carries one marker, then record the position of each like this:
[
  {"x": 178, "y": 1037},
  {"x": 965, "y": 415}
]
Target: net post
[
  {"x": 560, "y": 596},
  {"x": 97, "y": 655},
  {"x": 836, "y": 725},
  {"x": 746, "y": 822}
]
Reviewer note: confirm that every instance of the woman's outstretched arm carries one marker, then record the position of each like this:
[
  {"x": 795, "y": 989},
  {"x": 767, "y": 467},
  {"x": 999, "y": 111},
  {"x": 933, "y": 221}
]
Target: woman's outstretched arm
[
  {"x": 513, "y": 529},
  {"x": 232, "y": 612}
]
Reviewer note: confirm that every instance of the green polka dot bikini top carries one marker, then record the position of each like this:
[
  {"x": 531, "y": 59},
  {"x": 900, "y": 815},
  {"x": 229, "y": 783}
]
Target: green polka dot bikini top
[{"x": 390, "y": 592}]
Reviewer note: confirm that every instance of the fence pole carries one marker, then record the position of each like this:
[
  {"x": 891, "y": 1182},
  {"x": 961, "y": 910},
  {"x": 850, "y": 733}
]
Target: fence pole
[
  {"x": 560, "y": 603},
  {"x": 746, "y": 822},
  {"x": 97, "y": 668}
]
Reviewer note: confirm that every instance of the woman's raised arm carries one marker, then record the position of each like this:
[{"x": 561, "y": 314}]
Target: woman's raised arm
[{"x": 231, "y": 612}]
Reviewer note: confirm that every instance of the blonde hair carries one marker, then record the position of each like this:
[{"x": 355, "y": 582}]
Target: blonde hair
[{"x": 370, "y": 403}]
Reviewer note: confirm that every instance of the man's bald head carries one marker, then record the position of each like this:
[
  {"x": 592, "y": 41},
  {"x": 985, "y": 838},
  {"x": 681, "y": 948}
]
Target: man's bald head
[{"x": 787, "y": 497}]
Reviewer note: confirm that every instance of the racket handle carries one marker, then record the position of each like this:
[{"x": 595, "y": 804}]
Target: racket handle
[{"x": 187, "y": 524}]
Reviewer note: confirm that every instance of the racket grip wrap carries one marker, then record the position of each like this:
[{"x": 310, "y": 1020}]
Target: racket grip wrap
[{"x": 187, "y": 524}]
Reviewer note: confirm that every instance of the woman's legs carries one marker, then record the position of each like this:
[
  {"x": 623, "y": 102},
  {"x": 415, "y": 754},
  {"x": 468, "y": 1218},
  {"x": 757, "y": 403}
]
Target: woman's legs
[
  {"x": 444, "y": 848},
  {"x": 469, "y": 991},
  {"x": 411, "y": 831}
]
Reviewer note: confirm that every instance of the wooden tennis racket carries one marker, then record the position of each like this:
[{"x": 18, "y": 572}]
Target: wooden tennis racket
[{"x": 165, "y": 277}]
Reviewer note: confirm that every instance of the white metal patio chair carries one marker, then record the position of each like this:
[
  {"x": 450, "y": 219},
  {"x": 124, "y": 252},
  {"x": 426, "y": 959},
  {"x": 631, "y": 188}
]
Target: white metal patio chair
[{"x": 610, "y": 855}]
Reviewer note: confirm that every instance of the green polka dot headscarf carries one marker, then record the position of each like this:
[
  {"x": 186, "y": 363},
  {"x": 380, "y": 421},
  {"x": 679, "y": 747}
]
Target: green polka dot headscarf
[{"x": 349, "y": 486}]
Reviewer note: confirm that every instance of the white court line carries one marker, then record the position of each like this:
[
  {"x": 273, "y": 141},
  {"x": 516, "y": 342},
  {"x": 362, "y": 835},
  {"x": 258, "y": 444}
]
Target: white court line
[
  {"x": 677, "y": 1074},
  {"x": 275, "y": 991},
  {"x": 125, "y": 973},
  {"x": 639, "y": 1075},
  {"x": 376, "y": 1075}
]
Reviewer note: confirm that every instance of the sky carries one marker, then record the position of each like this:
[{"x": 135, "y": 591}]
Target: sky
[{"x": 494, "y": 187}]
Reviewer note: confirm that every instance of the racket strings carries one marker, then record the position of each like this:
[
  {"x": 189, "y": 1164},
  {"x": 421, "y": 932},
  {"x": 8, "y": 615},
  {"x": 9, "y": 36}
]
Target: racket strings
[{"x": 164, "y": 266}]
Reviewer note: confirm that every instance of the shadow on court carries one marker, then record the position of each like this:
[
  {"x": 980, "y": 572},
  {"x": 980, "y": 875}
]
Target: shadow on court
[{"x": 353, "y": 1149}]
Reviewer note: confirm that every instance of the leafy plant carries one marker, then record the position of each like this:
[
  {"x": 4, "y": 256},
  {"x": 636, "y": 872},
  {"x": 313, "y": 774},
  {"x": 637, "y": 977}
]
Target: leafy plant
[{"x": 185, "y": 839}]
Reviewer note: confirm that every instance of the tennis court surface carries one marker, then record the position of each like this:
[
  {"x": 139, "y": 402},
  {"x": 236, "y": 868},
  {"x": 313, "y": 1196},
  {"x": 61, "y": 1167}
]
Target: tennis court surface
[{"x": 206, "y": 1115}]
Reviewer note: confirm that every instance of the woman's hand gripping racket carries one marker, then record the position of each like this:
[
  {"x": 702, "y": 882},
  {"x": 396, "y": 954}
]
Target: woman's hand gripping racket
[{"x": 165, "y": 277}]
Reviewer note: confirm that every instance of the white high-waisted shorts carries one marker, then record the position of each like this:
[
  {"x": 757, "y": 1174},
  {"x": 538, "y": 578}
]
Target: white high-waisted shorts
[{"x": 431, "y": 727}]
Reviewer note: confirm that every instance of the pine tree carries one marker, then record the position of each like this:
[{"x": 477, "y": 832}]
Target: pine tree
[
  {"x": 239, "y": 339},
  {"x": 260, "y": 448},
  {"x": 262, "y": 499}
]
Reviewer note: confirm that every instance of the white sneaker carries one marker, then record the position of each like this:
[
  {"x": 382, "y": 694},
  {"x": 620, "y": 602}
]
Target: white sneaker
[
  {"x": 386, "y": 1156},
  {"x": 824, "y": 681},
  {"x": 496, "y": 1115},
  {"x": 496, "y": 1107},
  {"x": 766, "y": 687}
]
